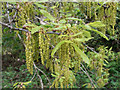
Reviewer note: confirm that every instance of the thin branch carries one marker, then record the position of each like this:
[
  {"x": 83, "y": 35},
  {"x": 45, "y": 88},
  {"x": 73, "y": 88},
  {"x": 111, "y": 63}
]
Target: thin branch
[
  {"x": 33, "y": 76},
  {"x": 13, "y": 28},
  {"x": 21, "y": 39},
  {"x": 41, "y": 72},
  {"x": 87, "y": 75},
  {"x": 53, "y": 33},
  {"x": 90, "y": 48},
  {"x": 8, "y": 12},
  {"x": 40, "y": 79},
  {"x": 21, "y": 29}
]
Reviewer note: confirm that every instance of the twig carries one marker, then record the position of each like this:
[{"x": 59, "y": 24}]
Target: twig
[
  {"x": 13, "y": 28},
  {"x": 87, "y": 75},
  {"x": 41, "y": 21},
  {"x": 33, "y": 76},
  {"x": 90, "y": 48},
  {"x": 40, "y": 79},
  {"x": 53, "y": 33},
  {"x": 8, "y": 15},
  {"x": 41, "y": 72},
  {"x": 21, "y": 39},
  {"x": 8, "y": 12},
  {"x": 21, "y": 29}
]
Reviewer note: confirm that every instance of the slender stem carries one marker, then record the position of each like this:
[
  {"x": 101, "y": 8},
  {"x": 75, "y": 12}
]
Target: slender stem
[
  {"x": 40, "y": 79},
  {"x": 21, "y": 39},
  {"x": 21, "y": 29},
  {"x": 13, "y": 28},
  {"x": 87, "y": 75},
  {"x": 33, "y": 76},
  {"x": 41, "y": 72},
  {"x": 90, "y": 48}
]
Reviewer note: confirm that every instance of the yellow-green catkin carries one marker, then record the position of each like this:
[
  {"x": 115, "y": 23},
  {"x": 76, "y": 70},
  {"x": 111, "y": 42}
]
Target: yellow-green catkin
[
  {"x": 89, "y": 9},
  {"x": 94, "y": 6},
  {"x": 29, "y": 58},
  {"x": 47, "y": 51},
  {"x": 17, "y": 32},
  {"x": 41, "y": 46},
  {"x": 44, "y": 44},
  {"x": 114, "y": 16},
  {"x": 36, "y": 53}
]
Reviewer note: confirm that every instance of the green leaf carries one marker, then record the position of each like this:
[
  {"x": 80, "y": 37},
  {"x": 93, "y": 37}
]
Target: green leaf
[
  {"x": 6, "y": 29},
  {"x": 35, "y": 29},
  {"x": 68, "y": 25},
  {"x": 26, "y": 83},
  {"x": 60, "y": 28},
  {"x": 62, "y": 36},
  {"x": 82, "y": 39},
  {"x": 76, "y": 34},
  {"x": 15, "y": 87},
  {"x": 53, "y": 7},
  {"x": 62, "y": 21},
  {"x": 40, "y": 5},
  {"x": 61, "y": 80},
  {"x": 102, "y": 3},
  {"x": 83, "y": 56},
  {"x": 58, "y": 46},
  {"x": 2, "y": 16},
  {"x": 47, "y": 26},
  {"x": 98, "y": 32},
  {"x": 15, "y": 84},
  {"x": 54, "y": 75},
  {"x": 86, "y": 33},
  {"x": 12, "y": 2},
  {"x": 55, "y": 23},
  {"x": 76, "y": 19},
  {"x": 97, "y": 24},
  {"x": 46, "y": 14},
  {"x": 30, "y": 25}
]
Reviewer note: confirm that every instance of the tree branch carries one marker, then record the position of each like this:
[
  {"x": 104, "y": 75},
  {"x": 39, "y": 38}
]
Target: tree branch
[
  {"x": 41, "y": 72},
  {"x": 87, "y": 74},
  {"x": 21, "y": 29},
  {"x": 33, "y": 76},
  {"x": 40, "y": 79},
  {"x": 90, "y": 48},
  {"x": 13, "y": 28}
]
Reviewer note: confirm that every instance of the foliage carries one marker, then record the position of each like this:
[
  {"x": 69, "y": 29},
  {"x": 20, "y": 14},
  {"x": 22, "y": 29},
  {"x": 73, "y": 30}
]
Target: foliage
[{"x": 56, "y": 36}]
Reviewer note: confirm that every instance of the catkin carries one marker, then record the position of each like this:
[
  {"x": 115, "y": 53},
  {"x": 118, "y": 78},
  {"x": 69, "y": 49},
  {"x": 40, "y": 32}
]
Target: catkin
[{"x": 41, "y": 46}]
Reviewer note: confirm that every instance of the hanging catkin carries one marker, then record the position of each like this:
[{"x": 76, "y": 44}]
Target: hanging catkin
[
  {"x": 47, "y": 51},
  {"x": 29, "y": 53},
  {"x": 41, "y": 46}
]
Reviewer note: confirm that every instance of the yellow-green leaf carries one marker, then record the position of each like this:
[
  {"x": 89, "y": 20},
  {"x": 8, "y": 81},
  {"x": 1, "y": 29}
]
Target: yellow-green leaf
[
  {"x": 82, "y": 54},
  {"x": 31, "y": 25},
  {"x": 82, "y": 39},
  {"x": 63, "y": 36},
  {"x": 76, "y": 34},
  {"x": 40, "y": 5},
  {"x": 97, "y": 24},
  {"x": 60, "y": 28},
  {"x": 15, "y": 84},
  {"x": 46, "y": 14},
  {"x": 58, "y": 46},
  {"x": 86, "y": 33},
  {"x": 76, "y": 19},
  {"x": 98, "y": 32},
  {"x": 62, "y": 21},
  {"x": 35, "y": 29},
  {"x": 25, "y": 83}
]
